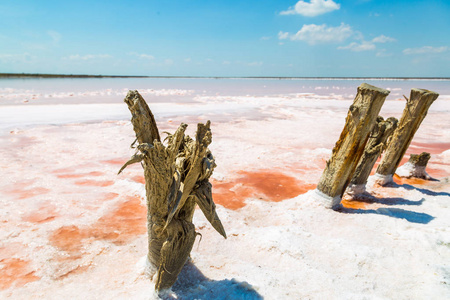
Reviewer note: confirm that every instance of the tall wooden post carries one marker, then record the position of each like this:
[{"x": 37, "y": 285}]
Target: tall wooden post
[
  {"x": 376, "y": 144},
  {"x": 349, "y": 148},
  {"x": 176, "y": 180},
  {"x": 415, "y": 111}
]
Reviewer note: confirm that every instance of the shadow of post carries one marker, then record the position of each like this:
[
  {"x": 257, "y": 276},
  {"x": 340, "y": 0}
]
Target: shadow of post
[
  {"x": 192, "y": 284},
  {"x": 369, "y": 198},
  {"x": 425, "y": 191},
  {"x": 422, "y": 190},
  {"x": 398, "y": 213}
]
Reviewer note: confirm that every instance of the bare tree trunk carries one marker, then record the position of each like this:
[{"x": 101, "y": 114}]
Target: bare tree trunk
[
  {"x": 374, "y": 147},
  {"x": 176, "y": 179},
  {"x": 415, "y": 111},
  {"x": 415, "y": 167},
  {"x": 349, "y": 148}
]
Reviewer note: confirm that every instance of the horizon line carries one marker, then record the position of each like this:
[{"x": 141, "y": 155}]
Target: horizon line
[{"x": 47, "y": 75}]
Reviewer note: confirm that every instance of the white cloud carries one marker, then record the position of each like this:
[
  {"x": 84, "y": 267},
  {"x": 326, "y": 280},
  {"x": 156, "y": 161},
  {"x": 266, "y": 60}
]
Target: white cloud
[
  {"x": 142, "y": 55},
  {"x": 358, "y": 47},
  {"x": 383, "y": 39},
  {"x": 367, "y": 45},
  {"x": 146, "y": 56},
  {"x": 265, "y": 38},
  {"x": 383, "y": 53},
  {"x": 426, "y": 50},
  {"x": 188, "y": 59},
  {"x": 88, "y": 56},
  {"x": 256, "y": 63},
  {"x": 168, "y": 61},
  {"x": 56, "y": 36},
  {"x": 16, "y": 58},
  {"x": 312, "y": 9},
  {"x": 283, "y": 35},
  {"x": 315, "y": 34},
  {"x": 226, "y": 62}
]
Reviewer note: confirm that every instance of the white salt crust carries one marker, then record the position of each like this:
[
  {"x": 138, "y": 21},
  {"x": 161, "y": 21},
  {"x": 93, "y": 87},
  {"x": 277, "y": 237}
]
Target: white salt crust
[
  {"x": 410, "y": 170},
  {"x": 382, "y": 179},
  {"x": 355, "y": 189},
  {"x": 327, "y": 201},
  {"x": 284, "y": 250}
]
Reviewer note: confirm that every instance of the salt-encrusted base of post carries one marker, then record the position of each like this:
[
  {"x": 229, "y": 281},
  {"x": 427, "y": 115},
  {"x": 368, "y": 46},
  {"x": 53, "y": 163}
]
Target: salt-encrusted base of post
[
  {"x": 415, "y": 167},
  {"x": 350, "y": 146},
  {"x": 382, "y": 179},
  {"x": 325, "y": 200},
  {"x": 354, "y": 190},
  {"x": 415, "y": 111}
]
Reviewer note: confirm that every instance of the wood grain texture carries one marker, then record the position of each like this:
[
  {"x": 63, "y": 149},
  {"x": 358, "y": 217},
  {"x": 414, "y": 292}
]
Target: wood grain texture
[
  {"x": 415, "y": 111},
  {"x": 376, "y": 144},
  {"x": 350, "y": 147},
  {"x": 176, "y": 180},
  {"x": 419, "y": 160},
  {"x": 415, "y": 167}
]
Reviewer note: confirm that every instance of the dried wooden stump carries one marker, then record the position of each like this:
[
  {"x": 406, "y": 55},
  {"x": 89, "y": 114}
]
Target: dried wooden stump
[
  {"x": 415, "y": 111},
  {"x": 415, "y": 166},
  {"x": 349, "y": 148},
  {"x": 176, "y": 180},
  {"x": 376, "y": 144}
]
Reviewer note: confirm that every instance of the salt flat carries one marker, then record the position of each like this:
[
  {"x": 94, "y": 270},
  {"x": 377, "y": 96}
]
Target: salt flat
[{"x": 73, "y": 228}]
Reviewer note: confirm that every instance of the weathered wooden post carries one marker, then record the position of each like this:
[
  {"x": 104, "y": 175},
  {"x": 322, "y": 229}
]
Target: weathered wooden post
[
  {"x": 176, "y": 179},
  {"x": 376, "y": 144},
  {"x": 415, "y": 111},
  {"x": 349, "y": 148},
  {"x": 415, "y": 166}
]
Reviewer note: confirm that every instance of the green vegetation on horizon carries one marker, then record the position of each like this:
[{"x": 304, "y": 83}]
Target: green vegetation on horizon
[{"x": 39, "y": 75}]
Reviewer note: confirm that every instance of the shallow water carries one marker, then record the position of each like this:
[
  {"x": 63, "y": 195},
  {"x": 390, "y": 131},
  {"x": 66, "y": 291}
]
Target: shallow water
[{"x": 101, "y": 90}]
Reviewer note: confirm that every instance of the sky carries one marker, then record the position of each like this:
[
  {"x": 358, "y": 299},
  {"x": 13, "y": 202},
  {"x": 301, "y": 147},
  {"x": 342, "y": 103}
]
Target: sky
[{"x": 313, "y": 38}]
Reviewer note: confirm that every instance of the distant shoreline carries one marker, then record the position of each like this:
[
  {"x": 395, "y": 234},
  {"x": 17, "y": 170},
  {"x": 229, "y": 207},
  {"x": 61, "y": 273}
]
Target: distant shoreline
[{"x": 39, "y": 75}]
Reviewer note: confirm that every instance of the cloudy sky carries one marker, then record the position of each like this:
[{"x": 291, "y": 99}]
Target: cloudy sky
[{"x": 226, "y": 37}]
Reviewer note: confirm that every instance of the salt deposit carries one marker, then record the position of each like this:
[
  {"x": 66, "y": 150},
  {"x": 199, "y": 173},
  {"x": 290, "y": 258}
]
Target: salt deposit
[{"x": 71, "y": 228}]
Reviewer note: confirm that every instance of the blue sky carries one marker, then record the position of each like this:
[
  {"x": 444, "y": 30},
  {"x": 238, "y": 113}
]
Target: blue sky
[{"x": 226, "y": 38}]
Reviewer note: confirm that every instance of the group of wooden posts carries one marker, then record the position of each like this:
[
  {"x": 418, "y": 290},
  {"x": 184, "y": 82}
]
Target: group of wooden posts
[
  {"x": 365, "y": 136},
  {"x": 177, "y": 174}
]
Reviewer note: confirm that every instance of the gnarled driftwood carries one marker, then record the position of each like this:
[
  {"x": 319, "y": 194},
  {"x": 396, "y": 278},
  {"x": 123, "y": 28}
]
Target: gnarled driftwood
[
  {"x": 176, "y": 179},
  {"x": 376, "y": 144}
]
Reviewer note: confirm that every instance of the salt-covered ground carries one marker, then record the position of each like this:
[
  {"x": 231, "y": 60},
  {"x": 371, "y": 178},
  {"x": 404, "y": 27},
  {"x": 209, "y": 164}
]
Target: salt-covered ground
[{"x": 72, "y": 228}]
